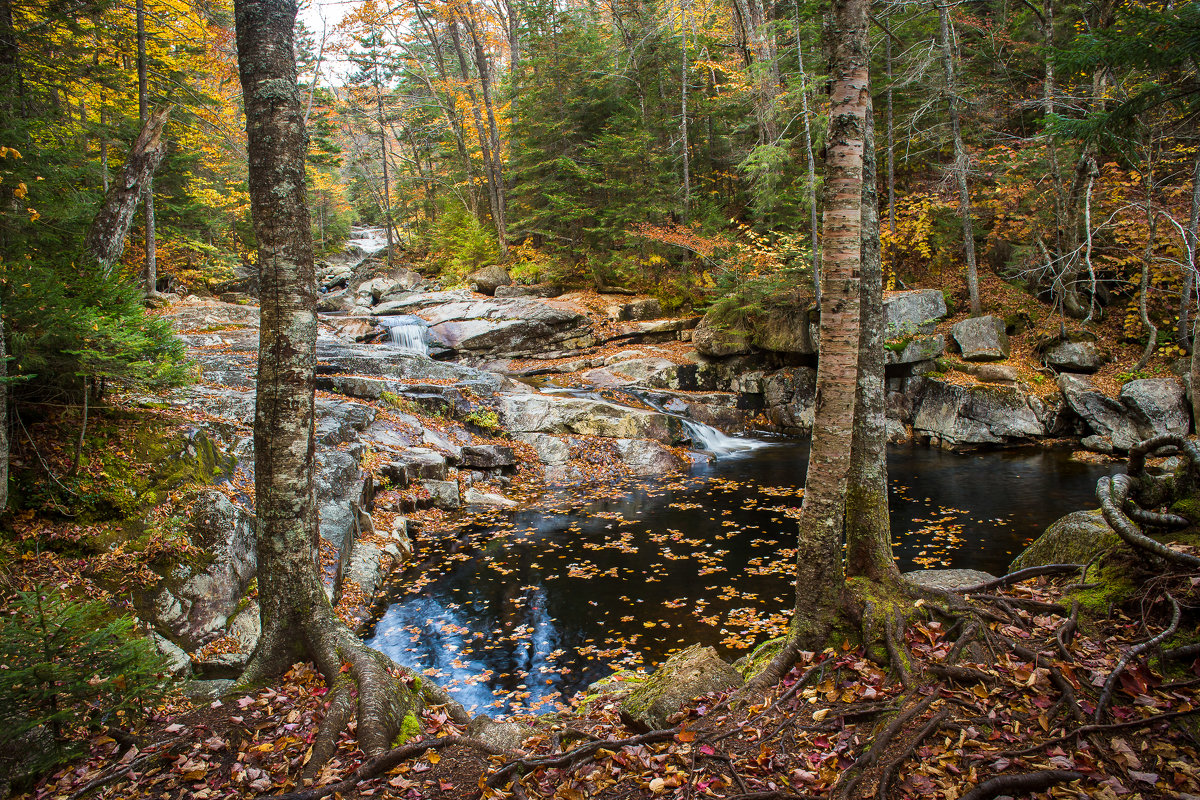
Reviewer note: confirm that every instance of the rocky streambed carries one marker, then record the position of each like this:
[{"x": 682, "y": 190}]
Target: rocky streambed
[{"x": 517, "y": 391}]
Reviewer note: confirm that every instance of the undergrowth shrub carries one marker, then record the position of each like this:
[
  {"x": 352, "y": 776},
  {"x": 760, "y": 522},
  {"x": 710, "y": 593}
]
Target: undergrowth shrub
[{"x": 67, "y": 666}]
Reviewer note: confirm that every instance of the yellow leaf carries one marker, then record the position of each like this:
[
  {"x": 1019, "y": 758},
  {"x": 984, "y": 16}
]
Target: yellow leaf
[{"x": 434, "y": 758}]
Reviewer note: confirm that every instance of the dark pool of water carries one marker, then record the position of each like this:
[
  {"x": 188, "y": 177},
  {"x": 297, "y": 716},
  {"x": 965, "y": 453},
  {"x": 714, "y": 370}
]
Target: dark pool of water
[{"x": 528, "y": 614}]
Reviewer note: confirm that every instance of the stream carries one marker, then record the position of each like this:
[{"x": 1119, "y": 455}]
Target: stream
[{"x": 529, "y": 613}]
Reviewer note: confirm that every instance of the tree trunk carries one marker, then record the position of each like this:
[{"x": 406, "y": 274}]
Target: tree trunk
[
  {"x": 819, "y": 546},
  {"x": 868, "y": 523},
  {"x": 1192, "y": 241},
  {"x": 150, "y": 271},
  {"x": 106, "y": 238},
  {"x": 891, "y": 134},
  {"x": 1147, "y": 258},
  {"x": 485, "y": 81},
  {"x": 683, "y": 112},
  {"x": 297, "y": 619},
  {"x": 812, "y": 164},
  {"x": 4, "y": 444},
  {"x": 961, "y": 162},
  {"x": 383, "y": 157}
]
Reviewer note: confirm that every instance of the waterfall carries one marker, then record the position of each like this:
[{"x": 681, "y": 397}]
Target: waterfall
[
  {"x": 706, "y": 437},
  {"x": 407, "y": 333},
  {"x": 368, "y": 241}
]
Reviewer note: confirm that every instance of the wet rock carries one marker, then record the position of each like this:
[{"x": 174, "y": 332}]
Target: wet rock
[
  {"x": 788, "y": 398},
  {"x": 909, "y": 313},
  {"x": 486, "y": 456},
  {"x": 353, "y": 329},
  {"x": 1074, "y": 539},
  {"x": 475, "y": 497},
  {"x": 1157, "y": 406},
  {"x": 645, "y": 457},
  {"x": 1103, "y": 415},
  {"x": 981, "y": 338},
  {"x": 914, "y": 349},
  {"x": 960, "y": 416},
  {"x": 1069, "y": 356},
  {"x": 686, "y": 676},
  {"x": 488, "y": 279},
  {"x": 443, "y": 494},
  {"x": 949, "y": 578},
  {"x": 569, "y": 415}
]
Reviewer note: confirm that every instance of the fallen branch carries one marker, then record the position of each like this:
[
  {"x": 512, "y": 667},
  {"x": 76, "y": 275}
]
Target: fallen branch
[
  {"x": 1029, "y": 782},
  {"x": 1133, "y": 653},
  {"x": 573, "y": 757},
  {"x": 381, "y": 764},
  {"x": 1183, "y": 651}
]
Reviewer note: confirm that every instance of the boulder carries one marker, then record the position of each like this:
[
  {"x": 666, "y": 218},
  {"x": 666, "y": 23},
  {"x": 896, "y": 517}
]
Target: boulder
[
  {"x": 537, "y": 413},
  {"x": 506, "y": 736},
  {"x": 443, "y": 494},
  {"x": 913, "y": 312},
  {"x": 684, "y": 677},
  {"x": 488, "y": 279},
  {"x": 981, "y": 338},
  {"x": 645, "y": 457},
  {"x": 538, "y": 290},
  {"x": 192, "y": 604},
  {"x": 783, "y": 330},
  {"x": 1157, "y": 406},
  {"x": 353, "y": 329},
  {"x": 1070, "y": 356},
  {"x": 969, "y": 416},
  {"x": 1073, "y": 539},
  {"x": 413, "y": 465},
  {"x": 648, "y": 308},
  {"x": 486, "y": 456},
  {"x": 1103, "y": 415},
  {"x": 910, "y": 350},
  {"x": 475, "y": 497},
  {"x": 507, "y": 328},
  {"x": 788, "y": 396},
  {"x": 949, "y": 578},
  {"x": 720, "y": 340}
]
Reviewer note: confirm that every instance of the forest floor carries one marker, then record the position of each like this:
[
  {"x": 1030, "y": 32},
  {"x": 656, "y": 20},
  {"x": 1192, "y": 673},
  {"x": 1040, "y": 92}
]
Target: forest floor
[{"x": 837, "y": 726}]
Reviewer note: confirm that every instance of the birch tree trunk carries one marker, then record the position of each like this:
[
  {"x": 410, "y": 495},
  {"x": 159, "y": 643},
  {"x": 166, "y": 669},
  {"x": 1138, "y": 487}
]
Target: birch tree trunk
[
  {"x": 961, "y": 162},
  {"x": 819, "y": 574},
  {"x": 812, "y": 164}
]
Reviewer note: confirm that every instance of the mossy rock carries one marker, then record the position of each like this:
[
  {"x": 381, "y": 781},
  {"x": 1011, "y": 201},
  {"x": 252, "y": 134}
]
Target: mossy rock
[
  {"x": 689, "y": 674},
  {"x": 1073, "y": 539},
  {"x": 750, "y": 666}
]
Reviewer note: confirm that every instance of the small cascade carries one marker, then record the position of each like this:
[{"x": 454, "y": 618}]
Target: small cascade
[
  {"x": 406, "y": 333},
  {"x": 706, "y": 437},
  {"x": 711, "y": 440},
  {"x": 367, "y": 240}
]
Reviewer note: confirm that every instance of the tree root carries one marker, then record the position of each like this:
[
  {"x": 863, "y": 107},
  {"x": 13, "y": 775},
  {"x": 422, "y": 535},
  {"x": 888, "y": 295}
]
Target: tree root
[
  {"x": 1086, "y": 730},
  {"x": 1112, "y": 494},
  {"x": 1029, "y": 782},
  {"x": 1020, "y": 575},
  {"x": 1134, "y": 652},
  {"x": 1066, "y": 632},
  {"x": 889, "y": 771},
  {"x": 573, "y": 758},
  {"x": 384, "y": 762},
  {"x": 849, "y": 780}
]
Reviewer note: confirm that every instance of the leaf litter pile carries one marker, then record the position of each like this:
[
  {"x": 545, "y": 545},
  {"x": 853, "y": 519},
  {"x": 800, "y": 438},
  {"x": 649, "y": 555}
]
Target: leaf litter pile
[{"x": 1055, "y": 705}]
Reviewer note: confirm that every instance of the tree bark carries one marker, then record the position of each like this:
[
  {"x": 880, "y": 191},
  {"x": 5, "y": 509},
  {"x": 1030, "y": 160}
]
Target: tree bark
[
  {"x": 868, "y": 522},
  {"x": 819, "y": 547},
  {"x": 812, "y": 163},
  {"x": 683, "y": 112},
  {"x": 961, "y": 161},
  {"x": 150, "y": 271},
  {"x": 1192, "y": 239},
  {"x": 296, "y": 616},
  {"x": 106, "y": 238}
]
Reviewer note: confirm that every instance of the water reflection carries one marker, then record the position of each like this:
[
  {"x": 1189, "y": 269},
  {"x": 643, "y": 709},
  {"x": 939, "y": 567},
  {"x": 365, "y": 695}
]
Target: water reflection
[{"x": 533, "y": 612}]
